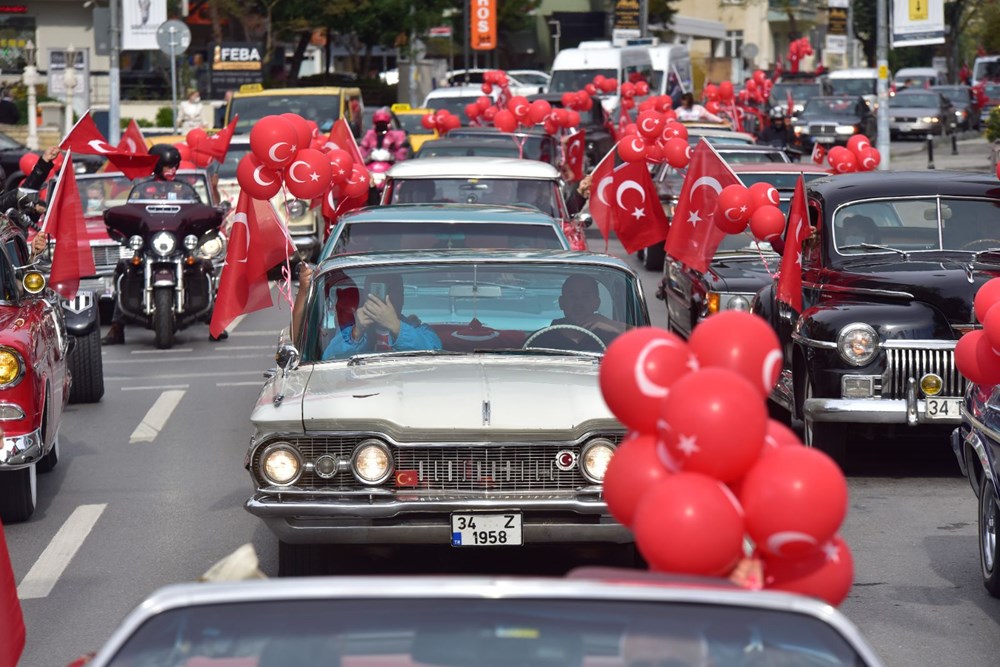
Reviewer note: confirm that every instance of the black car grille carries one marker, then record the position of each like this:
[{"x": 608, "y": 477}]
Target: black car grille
[
  {"x": 106, "y": 256},
  {"x": 901, "y": 119},
  {"x": 905, "y": 363},
  {"x": 508, "y": 467},
  {"x": 822, "y": 129}
]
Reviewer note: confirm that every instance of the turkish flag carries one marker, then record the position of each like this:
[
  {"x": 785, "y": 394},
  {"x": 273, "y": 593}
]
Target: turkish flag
[
  {"x": 11, "y": 619},
  {"x": 64, "y": 222},
  {"x": 694, "y": 236},
  {"x": 407, "y": 478},
  {"x": 791, "y": 103},
  {"x": 257, "y": 242},
  {"x": 797, "y": 231},
  {"x": 818, "y": 153},
  {"x": 623, "y": 120},
  {"x": 86, "y": 138},
  {"x": 575, "y": 149},
  {"x": 132, "y": 140},
  {"x": 600, "y": 207},
  {"x": 639, "y": 219},
  {"x": 341, "y": 137},
  {"x": 217, "y": 145},
  {"x": 334, "y": 207}
]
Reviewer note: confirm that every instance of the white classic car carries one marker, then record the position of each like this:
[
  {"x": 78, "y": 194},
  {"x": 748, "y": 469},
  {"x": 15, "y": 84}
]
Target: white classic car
[{"x": 479, "y": 424}]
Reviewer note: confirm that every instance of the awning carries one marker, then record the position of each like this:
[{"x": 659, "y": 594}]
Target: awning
[{"x": 688, "y": 26}]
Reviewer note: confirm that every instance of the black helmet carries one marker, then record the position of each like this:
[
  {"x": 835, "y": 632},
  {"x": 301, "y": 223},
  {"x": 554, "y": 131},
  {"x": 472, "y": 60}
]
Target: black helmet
[{"x": 168, "y": 156}]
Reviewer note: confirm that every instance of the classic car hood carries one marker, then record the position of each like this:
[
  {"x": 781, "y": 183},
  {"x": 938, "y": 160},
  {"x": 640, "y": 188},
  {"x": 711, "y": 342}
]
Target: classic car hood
[
  {"x": 742, "y": 273},
  {"x": 944, "y": 285},
  {"x": 459, "y": 398}
]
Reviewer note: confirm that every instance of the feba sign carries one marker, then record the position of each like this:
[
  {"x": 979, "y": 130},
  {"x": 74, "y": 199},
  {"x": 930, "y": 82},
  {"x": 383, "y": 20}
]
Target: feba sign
[
  {"x": 236, "y": 64},
  {"x": 917, "y": 22},
  {"x": 483, "y": 25}
]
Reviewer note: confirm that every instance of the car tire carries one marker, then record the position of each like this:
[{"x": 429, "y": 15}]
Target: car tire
[
  {"x": 163, "y": 317},
  {"x": 989, "y": 522},
  {"x": 86, "y": 367},
  {"x": 829, "y": 438},
  {"x": 654, "y": 257},
  {"x": 300, "y": 560},
  {"x": 18, "y": 494},
  {"x": 49, "y": 461}
]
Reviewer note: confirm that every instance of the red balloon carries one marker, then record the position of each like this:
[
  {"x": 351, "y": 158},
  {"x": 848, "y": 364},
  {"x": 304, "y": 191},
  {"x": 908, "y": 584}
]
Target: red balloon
[
  {"x": 428, "y": 121},
  {"x": 986, "y": 297},
  {"x": 794, "y": 500},
  {"x": 200, "y": 158},
  {"x": 991, "y": 325},
  {"x": 726, "y": 91},
  {"x": 489, "y": 113},
  {"x": 700, "y": 411},
  {"x": 654, "y": 152},
  {"x": 256, "y": 179},
  {"x": 27, "y": 162},
  {"x": 482, "y": 102},
  {"x": 632, "y": 148},
  {"x": 767, "y": 223},
  {"x": 561, "y": 117},
  {"x": 677, "y": 152},
  {"x": 357, "y": 185},
  {"x": 842, "y": 160},
  {"x": 539, "y": 110},
  {"x": 650, "y": 124},
  {"x": 519, "y": 106},
  {"x": 734, "y": 203},
  {"x": 673, "y": 128},
  {"x": 987, "y": 358},
  {"x": 712, "y": 106},
  {"x": 628, "y": 89},
  {"x": 711, "y": 92},
  {"x": 302, "y": 129},
  {"x": 763, "y": 194},
  {"x": 472, "y": 111},
  {"x": 587, "y": 103},
  {"x": 341, "y": 164},
  {"x": 487, "y": 88},
  {"x": 551, "y": 125},
  {"x": 608, "y": 85},
  {"x": 857, "y": 143},
  {"x": 637, "y": 372},
  {"x": 628, "y": 103},
  {"x": 195, "y": 137},
  {"x": 760, "y": 77},
  {"x": 273, "y": 141},
  {"x": 648, "y": 104},
  {"x": 309, "y": 175},
  {"x": 185, "y": 164},
  {"x": 634, "y": 469},
  {"x": 751, "y": 86},
  {"x": 967, "y": 357},
  {"x": 572, "y": 118},
  {"x": 868, "y": 159},
  {"x": 184, "y": 150},
  {"x": 689, "y": 524},
  {"x": 826, "y": 574},
  {"x": 740, "y": 342},
  {"x": 567, "y": 99},
  {"x": 451, "y": 122},
  {"x": 505, "y": 121},
  {"x": 630, "y": 128},
  {"x": 779, "y": 435},
  {"x": 641, "y": 88}
]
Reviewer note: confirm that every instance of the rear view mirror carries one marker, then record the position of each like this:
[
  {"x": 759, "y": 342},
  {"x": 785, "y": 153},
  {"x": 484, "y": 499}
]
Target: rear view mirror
[{"x": 475, "y": 291}]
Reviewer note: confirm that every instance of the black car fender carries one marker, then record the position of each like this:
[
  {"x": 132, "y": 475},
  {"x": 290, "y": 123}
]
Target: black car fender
[
  {"x": 81, "y": 313},
  {"x": 911, "y": 320}
]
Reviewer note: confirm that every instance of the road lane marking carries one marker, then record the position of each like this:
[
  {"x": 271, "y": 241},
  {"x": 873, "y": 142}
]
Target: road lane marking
[
  {"x": 160, "y": 387},
  {"x": 157, "y": 417},
  {"x": 46, "y": 571},
  {"x": 171, "y": 350},
  {"x": 235, "y": 323},
  {"x": 250, "y": 383},
  {"x": 180, "y": 376},
  {"x": 158, "y": 360},
  {"x": 269, "y": 332}
]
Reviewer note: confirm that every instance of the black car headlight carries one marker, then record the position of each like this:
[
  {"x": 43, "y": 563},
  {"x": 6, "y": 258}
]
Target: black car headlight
[{"x": 857, "y": 344}]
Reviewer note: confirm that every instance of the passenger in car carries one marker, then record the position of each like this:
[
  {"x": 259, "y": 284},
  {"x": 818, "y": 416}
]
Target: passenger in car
[
  {"x": 580, "y": 301},
  {"x": 416, "y": 191},
  {"x": 858, "y": 229}
]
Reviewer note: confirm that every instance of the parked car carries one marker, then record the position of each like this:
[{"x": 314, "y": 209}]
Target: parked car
[
  {"x": 918, "y": 112},
  {"x": 532, "y": 144},
  {"x": 11, "y": 152},
  {"x": 608, "y": 617},
  {"x": 833, "y": 120},
  {"x": 966, "y": 105},
  {"x": 489, "y": 430},
  {"x": 853, "y": 81},
  {"x": 496, "y": 146},
  {"x": 907, "y": 78},
  {"x": 718, "y": 136},
  {"x": 34, "y": 376},
  {"x": 531, "y": 77},
  {"x": 888, "y": 280},
  {"x": 442, "y": 227},
  {"x": 741, "y": 265},
  {"x": 479, "y": 180},
  {"x": 976, "y": 444}
]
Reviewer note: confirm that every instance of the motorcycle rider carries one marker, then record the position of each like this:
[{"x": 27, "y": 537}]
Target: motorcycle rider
[
  {"x": 777, "y": 133},
  {"x": 158, "y": 186},
  {"x": 381, "y": 136}
]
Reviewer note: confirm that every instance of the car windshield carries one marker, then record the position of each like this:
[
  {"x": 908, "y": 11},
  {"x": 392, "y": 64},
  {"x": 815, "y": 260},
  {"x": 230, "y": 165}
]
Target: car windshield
[
  {"x": 455, "y": 104},
  {"x": 446, "y": 148},
  {"x": 430, "y": 235},
  {"x": 830, "y": 106},
  {"x": 482, "y": 633},
  {"x": 920, "y": 101},
  {"x": 233, "y": 156},
  {"x": 992, "y": 91},
  {"x": 864, "y": 86},
  {"x": 411, "y": 123},
  {"x": 541, "y": 194},
  {"x": 323, "y": 109},
  {"x": 572, "y": 80},
  {"x": 468, "y": 306},
  {"x": 956, "y": 94},
  {"x": 916, "y": 225},
  {"x": 985, "y": 70},
  {"x": 800, "y": 92},
  {"x": 180, "y": 189}
]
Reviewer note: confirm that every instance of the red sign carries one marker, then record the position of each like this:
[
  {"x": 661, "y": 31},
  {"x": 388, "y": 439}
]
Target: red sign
[{"x": 483, "y": 25}]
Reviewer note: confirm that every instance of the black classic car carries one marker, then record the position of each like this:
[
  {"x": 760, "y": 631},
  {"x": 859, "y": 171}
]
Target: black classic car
[
  {"x": 977, "y": 446},
  {"x": 741, "y": 266},
  {"x": 888, "y": 279},
  {"x": 832, "y": 120}
]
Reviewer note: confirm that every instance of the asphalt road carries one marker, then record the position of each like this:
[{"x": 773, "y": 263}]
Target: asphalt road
[{"x": 150, "y": 488}]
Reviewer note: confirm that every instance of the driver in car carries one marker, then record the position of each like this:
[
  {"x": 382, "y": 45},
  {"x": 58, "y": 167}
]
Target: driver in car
[
  {"x": 580, "y": 301},
  {"x": 380, "y": 326}
]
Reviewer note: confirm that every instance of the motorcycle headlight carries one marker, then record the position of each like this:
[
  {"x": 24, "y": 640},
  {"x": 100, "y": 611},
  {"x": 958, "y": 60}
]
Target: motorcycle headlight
[
  {"x": 857, "y": 343},
  {"x": 281, "y": 464},
  {"x": 163, "y": 243},
  {"x": 212, "y": 248},
  {"x": 135, "y": 243},
  {"x": 594, "y": 459},
  {"x": 296, "y": 208},
  {"x": 372, "y": 462},
  {"x": 190, "y": 242},
  {"x": 11, "y": 367}
]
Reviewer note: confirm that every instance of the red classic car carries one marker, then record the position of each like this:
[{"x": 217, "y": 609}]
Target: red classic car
[{"x": 34, "y": 381}]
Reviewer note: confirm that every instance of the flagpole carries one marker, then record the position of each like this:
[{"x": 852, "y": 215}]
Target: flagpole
[
  {"x": 55, "y": 193},
  {"x": 79, "y": 120}
]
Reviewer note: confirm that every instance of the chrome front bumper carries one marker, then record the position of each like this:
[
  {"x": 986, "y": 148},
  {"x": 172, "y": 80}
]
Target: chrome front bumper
[
  {"x": 19, "y": 451},
  {"x": 420, "y": 521}
]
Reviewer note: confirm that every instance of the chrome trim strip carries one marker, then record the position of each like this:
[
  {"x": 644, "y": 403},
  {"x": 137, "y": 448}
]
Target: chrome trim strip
[
  {"x": 18, "y": 411},
  {"x": 840, "y": 289},
  {"x": 265, "y": 506},
  {"x": 920, "y": 344},
  {"x": 874, "y": 411},
  {"x": 18, "y": 451},
  {"x": 810, "y": 342},
  {"x": 311, "y": 435}
]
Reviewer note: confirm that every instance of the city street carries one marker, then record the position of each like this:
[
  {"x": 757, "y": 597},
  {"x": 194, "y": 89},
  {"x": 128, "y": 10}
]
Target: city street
[{"x": 150, "y": 487}]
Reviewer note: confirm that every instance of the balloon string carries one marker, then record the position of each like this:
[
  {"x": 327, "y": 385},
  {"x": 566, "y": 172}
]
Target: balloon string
[{"x": 285, "y": 284}]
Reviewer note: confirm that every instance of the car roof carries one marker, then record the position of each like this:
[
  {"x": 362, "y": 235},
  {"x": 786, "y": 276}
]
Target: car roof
[
  {"x": 464, "y": 256},
  {"x": 472, "y": 140},
  {"x": 473, "y": 167},
  {"x": 455, "y": 91},
  {"x": 856, "y": 186},
  {"x": 854, "y": 73},
  {"x": 778, "y": 168},
  {"x": 438, "y": 212},
  {"x": 306, "y": 90}
]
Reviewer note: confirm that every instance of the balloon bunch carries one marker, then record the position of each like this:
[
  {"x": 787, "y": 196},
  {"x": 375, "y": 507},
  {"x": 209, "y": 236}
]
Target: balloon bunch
[
  {"x": 441, "y": 120},
  {"x": 509, "y": 112},
  {"x": 976, "y": 353},
  {"x": 859, "y": 155},
  {"x": 756, "y": 206},
  {"x": 287, "y": 150},
  {"x": 718, "y": 95},
  {"x": 797, "y": 50},
  {"x": 703, "y": 467},
  {"x": 656, "y": 135}
]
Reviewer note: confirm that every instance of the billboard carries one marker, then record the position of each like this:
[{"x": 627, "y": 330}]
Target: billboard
[
  {"x": 917, "y": 22},
  {"x": 235, "y": 64},
  {"x": 140, "y": 19},
  {"x": 483, "y": 25}
]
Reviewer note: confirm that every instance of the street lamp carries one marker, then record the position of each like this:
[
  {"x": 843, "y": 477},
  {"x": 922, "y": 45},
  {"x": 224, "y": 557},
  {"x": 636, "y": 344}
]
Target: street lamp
[
  {"x": 30, "y": 81},
  {"x": 69, "y": 79}
]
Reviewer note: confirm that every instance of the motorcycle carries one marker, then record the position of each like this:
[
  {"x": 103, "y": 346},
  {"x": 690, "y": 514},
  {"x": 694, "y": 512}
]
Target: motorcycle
[
  {"x": 380, "y": 160},
  {"x": 170, "y": 281}
]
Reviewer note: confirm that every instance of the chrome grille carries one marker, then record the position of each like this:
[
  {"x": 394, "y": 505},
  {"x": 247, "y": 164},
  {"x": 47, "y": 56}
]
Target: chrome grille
[
  {"x": 823, "y": 129},
  {"x": 106, "y": 256},
  {"x": 905, "y": 363}
]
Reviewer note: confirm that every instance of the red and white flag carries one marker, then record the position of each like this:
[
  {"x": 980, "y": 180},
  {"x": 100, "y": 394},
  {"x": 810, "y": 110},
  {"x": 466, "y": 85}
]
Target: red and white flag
[
  {"x": 257, "y": 243},
  {"x": 639, "y": 219},
  {"x": 64, "y": 221},
  {"x": 818, "y": 153},
  {"x": 333, "y": 208},
  {"x": 342, "y": 138},
  {"x": 796, "y": 231},
  {"x": 791, "y": 103},
  {"x": 11, "y": 618},
  {"x": 576, "y": 145},
  {"x": 600, "y": 207},
  {"x": 217, "y": 145},
  {"x": 623, "y": 120},
  {"x": 694, "y": 236},
  {"x": 132, "y": 140},
  {"x": 87, "y": 139}
]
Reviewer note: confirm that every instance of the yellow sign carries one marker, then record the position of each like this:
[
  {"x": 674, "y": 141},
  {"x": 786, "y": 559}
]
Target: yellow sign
[
  {"x": 918, "y": 10},
  {"x": 883, "y": 72}
]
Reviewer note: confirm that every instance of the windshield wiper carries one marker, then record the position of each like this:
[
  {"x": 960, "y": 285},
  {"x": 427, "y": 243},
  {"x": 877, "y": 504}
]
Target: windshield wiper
[
  {"x": 556, "y": 352},
  {"x": 365, "y": 356},
  {"x": 874, "y": 246}
]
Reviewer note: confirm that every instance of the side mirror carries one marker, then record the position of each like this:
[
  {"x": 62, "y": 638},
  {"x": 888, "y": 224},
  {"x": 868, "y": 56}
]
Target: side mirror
[
  {"x": 287, "y": 357},
  {"x": 584, "y": 218}
]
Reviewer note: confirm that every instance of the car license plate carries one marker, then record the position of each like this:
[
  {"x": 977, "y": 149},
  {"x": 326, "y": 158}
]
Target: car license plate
[
  {"x": 943, "y": 408},
  {"x": 486, "y": 530},
  {"x": 824, "y": 140}
]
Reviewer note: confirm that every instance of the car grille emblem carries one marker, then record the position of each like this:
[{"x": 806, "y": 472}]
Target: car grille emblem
[{"x": 565, "y": 459}]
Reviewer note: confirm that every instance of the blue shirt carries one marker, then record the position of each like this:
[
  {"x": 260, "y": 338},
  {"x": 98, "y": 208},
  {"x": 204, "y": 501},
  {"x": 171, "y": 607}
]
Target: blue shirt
[{"x": 411, "y": 338}]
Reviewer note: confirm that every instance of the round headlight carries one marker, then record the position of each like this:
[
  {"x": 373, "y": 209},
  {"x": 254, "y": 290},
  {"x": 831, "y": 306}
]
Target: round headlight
[
  {"x": 190, "y": 241},
  {"x": 11, "y": 367},
  {"x": 135, "y": 242},
  {"x": 594, "y": 459},
  {"x": 739, "y": 303},
  {"x": 296, "y": 208},
  {"x": 212, "y": 248},
  {"x": 372, "y": 462},
  {"x": 163, "y": 243},
  {"x": 34, "y": 282},
  {"x": 857, "y": 344},
  {"x": 281, "y": 464}
]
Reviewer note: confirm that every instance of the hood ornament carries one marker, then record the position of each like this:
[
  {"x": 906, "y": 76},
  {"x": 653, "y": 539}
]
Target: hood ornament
[{"x": 486, "y": 413}]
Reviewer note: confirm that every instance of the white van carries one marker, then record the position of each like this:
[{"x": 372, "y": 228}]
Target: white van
[
  {"x": 855, "y": 81},
  {"x": 986, "y": 68},
  {"x": 670, "y": 60},
  {"x": 575, "y": 68},
  {"x": 918, "y": 77}
]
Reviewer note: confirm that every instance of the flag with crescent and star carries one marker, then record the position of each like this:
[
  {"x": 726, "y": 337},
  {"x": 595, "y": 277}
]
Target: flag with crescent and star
[
  {"x": 341, "y": 137},
  {"x": 797, "y": 231},
  {"x": 85, "y": 138},
  {"x": 600, "y": 207},
  {"x": 257, "y": 243},
  {"x": 575, "y": 148},
  {"x": 11, "y": 618},
  {"x": 133, "y": 141},
  {"x": 818, "y": 153},
  {"x": 217, "y": 145},
  {"x": 694, "y": 236},
  {"x": 639, "y": 219},
  {"x": 72, "y": 258}
]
